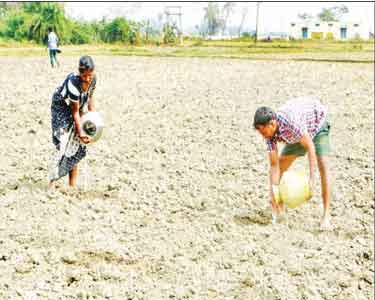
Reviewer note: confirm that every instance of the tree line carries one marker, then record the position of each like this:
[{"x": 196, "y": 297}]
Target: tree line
[{"x": 29, "y": 21}]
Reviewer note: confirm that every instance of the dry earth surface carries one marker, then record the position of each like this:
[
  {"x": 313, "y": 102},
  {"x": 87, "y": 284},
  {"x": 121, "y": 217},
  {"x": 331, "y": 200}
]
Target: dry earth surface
[{"x": 173, "y": 203}]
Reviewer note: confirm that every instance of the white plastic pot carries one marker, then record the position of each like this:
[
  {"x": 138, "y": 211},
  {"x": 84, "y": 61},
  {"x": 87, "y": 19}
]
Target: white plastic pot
[
  {"x": 294, "y": 188},
  {"x": 92, "y": 125}
]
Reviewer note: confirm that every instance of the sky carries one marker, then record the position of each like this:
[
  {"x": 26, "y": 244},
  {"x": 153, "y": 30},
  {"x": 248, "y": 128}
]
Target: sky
[{"x": 273, "y": 17}]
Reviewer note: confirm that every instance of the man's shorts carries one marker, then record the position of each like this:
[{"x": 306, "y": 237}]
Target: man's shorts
[{"x": 321, "y": 142}]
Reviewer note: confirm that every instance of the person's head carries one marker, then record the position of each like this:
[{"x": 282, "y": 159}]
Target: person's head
[
  {"x": 86, "y": 68},
  {"x": 50, "y": 29},
  {"x": 265, "y": 121}
]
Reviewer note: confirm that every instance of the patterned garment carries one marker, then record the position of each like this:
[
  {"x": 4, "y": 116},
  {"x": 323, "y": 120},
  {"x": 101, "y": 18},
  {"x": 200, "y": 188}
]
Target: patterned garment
[
  {"x": 296, "y": 117},
  {"x": 69, "y": 151}
]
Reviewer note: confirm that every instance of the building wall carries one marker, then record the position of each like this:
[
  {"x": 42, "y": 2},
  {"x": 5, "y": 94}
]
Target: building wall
[{"x": 328, "y": 29}]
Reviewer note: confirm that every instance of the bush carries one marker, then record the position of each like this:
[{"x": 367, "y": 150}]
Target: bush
[
  {"x": 169, "y": 35},
  {"x": 80, "y": 37},
  {"x": 121, "y": 30},
  {"x": 247, "y": 35},
  {"x": 16, "y": 27}
]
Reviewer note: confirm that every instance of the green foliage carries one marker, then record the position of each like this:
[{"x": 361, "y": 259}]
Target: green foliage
[
  {"x": 212, "y": 18},
  {"x": 169, "y": 34},
  {"x": 31, "y": 20},
  {"x": 247, "y": 35},
  {"x": 332, "y": 14},
  {"x": 43, "y": 15},
  {"x": 97, "y": 30},
  {"x": 121, "y": 30},
  {"x": 81, "y": 33},
  {"x": 305, "y": 16}
]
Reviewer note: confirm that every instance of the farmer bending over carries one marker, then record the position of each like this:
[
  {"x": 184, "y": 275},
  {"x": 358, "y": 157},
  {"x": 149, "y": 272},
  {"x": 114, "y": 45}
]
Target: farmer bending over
[{"x": 302, "y": 125}]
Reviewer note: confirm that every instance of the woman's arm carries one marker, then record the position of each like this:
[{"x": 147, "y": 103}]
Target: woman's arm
[
  {"x": 91, "y": 103},
  {"x": 76, "y": 117},
  {"x": 77, "y": 122}
]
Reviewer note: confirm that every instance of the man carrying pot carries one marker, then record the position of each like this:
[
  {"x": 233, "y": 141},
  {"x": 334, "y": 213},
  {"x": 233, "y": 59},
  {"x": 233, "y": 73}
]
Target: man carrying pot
[{"x": 301, "y": 124}]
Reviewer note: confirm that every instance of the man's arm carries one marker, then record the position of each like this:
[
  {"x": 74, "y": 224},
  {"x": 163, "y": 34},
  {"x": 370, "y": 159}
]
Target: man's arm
[
  {"x": 308, "y": 144},
  {"x": 274, "y": 174}
]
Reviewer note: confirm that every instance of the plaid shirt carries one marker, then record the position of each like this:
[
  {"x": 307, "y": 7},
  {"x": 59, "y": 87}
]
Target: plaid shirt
[{"x": 296, "y": 117}]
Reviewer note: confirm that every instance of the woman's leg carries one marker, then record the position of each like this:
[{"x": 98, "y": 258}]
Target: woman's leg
[{"x": 73, "y": 173}]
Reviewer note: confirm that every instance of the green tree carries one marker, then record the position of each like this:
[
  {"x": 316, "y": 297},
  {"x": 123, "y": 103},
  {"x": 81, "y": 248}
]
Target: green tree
[
  {"x": 244, "y": 13},
  {"x": 98, "y": 30},
  {"x": 305, "y": 16},
  {"x": 81, "y": 33},
  {"x": 212, "y": 18},
  {"x": 44, "y": 15},
  {"x": 332, "y": 14},
  {"x": 169, "y": 34},
  {"x": 16, "y": 27},
  {"x": 121, "y": 30},
  {"x": 228, "y": 9}
]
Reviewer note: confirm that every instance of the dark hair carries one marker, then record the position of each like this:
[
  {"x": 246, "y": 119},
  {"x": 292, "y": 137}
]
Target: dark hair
[
  {"x": 50, "y": 29},
  {"x": 85, "y": 63},
  {"x": 263, "y": 115}
]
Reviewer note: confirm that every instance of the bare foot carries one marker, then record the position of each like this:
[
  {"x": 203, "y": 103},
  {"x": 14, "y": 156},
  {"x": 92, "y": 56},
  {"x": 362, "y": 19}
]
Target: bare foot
[
  {"x": 325, "y": 224},
  {"x": 279, "y": 216},
  {"x": 274, "y": 218},
  {"x": 51, "y": 185},
  {"x": 282, "y": 217}
]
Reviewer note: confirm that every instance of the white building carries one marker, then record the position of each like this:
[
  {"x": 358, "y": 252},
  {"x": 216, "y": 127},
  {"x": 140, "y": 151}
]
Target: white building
[{"x": 327, "y": 30}]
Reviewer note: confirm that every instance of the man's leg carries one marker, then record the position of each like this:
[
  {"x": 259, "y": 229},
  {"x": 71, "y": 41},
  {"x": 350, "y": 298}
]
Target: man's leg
[
  {"x": 326, "y": 192},
  {"x": 51, "y": 57},
  {"x": 73, "y": 176},
  {"x": 55, "y": 56}
]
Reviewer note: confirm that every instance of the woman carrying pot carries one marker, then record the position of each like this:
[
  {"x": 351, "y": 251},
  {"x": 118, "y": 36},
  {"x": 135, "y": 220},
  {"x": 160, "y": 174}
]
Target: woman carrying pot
[{"x": 69, "y": 102}]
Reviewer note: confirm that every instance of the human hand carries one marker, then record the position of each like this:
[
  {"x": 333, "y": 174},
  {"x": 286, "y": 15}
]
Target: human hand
[{"x": 85, "y": 139}]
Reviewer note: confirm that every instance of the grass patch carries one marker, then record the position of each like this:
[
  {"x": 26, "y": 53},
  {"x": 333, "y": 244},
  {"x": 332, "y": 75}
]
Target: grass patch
[{"x": 240, "y": 48}]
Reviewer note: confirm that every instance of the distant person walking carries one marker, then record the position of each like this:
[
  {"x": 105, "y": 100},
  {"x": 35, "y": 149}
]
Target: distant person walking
[
  {"x": 69, "y": 102},
  {"x": 52, "y": 47}
]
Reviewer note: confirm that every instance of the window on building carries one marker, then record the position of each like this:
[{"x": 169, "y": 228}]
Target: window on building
[
  {"x": 330, "y": 24},
  {"x": 317, "y": 24},
  {"x": 293, "y": 24},
  {"x": 356, "y": 25}
]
